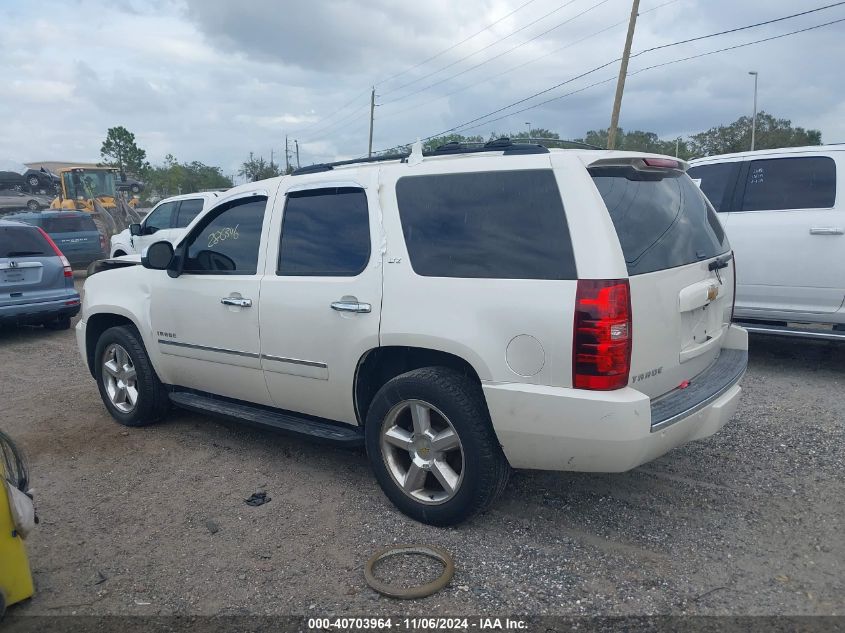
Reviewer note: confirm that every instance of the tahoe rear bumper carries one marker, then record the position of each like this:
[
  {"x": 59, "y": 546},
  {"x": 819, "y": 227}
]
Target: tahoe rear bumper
[{"x": 555, "y": 428}]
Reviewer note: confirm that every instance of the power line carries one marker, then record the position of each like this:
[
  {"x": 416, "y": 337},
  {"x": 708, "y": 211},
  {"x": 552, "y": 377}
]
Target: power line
[
  {"x": 502, "y": 54},
  {"x": 605, "y": 65},
  {"x": 736, "y": 30},
  {"x": 454, "y": 46},
  {"x": 340, "y": 109},
  {"x": 417, "y": 65},
  {"x": 481, "y": 50},
  {"x": 523, "y": 64},
  {"x": 334, "y": 125}
]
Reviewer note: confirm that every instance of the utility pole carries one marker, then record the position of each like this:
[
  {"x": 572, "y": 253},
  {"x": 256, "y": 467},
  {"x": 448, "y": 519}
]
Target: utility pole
[
  {"x": 271, "y": 158},
  {"x": 623, "y": 72},
  {"x": 754, "y": 118},
  {"x": 528, "y": 125},
  {"x": 372, "y": 116},
  {"x": 287, "y": 155},
  {"x": 296, "y": 143}
]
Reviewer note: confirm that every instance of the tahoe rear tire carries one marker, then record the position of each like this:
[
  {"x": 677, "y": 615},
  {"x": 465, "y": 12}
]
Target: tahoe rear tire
[
  {"x": 128, "y": 384},
  {"x": 432, "y": 446}
]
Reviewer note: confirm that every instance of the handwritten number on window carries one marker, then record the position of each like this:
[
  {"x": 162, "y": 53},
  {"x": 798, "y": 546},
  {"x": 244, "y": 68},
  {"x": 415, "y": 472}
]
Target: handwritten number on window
[{"x": 221, "y": 235}]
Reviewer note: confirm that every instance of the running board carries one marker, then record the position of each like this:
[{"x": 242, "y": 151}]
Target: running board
[
  {"x": 336, "y": 433},
  {"x": 779, "y": 330}
]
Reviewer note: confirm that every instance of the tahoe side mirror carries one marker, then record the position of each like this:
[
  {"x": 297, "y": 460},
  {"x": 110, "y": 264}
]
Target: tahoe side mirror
[
  {"x": 158, "y": 256},
  {"x": 135, "y": 229}
]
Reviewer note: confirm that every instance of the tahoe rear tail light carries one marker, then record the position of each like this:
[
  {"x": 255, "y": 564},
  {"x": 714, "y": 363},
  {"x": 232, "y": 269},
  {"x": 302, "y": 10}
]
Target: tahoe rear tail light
[
  {"x": 65, "y": 263},
  {"x": 601, "y": 347}
]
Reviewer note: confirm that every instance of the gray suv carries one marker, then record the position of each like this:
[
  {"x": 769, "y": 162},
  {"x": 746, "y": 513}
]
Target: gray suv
[{"x": 36, "y": 280}]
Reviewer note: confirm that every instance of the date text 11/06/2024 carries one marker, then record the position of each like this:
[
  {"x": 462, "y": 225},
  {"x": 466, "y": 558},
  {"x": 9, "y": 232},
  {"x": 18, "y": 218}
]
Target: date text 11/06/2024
[{"x": 458, "y": 624}]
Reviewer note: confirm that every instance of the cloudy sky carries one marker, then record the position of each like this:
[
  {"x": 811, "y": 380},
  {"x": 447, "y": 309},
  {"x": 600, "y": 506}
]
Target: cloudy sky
[{"x": 212, "y": 80}]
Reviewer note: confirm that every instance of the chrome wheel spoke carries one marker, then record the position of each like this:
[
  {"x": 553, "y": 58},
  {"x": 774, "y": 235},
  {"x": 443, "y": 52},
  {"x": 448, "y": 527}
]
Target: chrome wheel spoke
[
  {"x": 421, "y": 416},
  {"x": 447, "y": 477},
  {"x": 111, "y": 368},
  {"x": 130, "y": 375},
  {"x": 131, "y": 396},
  {"x": 414, "y": 478},
  {"x": 446, "y": 440},
  {"x": 399, "y": 437}
]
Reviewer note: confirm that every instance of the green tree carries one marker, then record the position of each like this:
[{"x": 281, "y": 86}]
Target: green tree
[
  {"x": 120, "y": 150},
  {"x": 258, "y": 169},
  {"x": 771, "y": 133},
  {"x": 173, "y": 177}
]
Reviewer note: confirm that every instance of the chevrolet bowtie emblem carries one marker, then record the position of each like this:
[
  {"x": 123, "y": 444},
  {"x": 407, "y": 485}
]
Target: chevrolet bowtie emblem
[{"x": 712, "y": 293}]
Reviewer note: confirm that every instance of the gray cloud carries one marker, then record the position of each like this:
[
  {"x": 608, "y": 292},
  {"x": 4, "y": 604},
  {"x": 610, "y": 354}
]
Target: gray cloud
[{"x": 212, "y": 80}]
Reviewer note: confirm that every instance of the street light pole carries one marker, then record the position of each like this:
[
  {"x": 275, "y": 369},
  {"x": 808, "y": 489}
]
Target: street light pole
[
  {"x": 528, "y": 125},
  {"x": 754, "y": 117}
]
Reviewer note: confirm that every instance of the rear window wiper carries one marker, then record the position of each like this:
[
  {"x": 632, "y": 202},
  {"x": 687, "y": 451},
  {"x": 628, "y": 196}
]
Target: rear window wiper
[
  {"x": 23, "y": 253},
  {"x": 720, "y": 262}
]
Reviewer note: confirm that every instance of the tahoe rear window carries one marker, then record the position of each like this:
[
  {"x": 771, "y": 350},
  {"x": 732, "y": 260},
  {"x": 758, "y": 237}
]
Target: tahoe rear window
[
  {"x": 22, "y": 241},
  {"x": 494, "y": 225},
  {"x": 661, "y": 223}
]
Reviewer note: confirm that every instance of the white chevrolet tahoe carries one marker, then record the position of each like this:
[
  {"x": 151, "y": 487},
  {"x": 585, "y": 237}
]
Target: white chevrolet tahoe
[
  {"x": 787, "y": 226},
  {"x": 168, "y": 220},
  {"x": 459, "y": 313}
]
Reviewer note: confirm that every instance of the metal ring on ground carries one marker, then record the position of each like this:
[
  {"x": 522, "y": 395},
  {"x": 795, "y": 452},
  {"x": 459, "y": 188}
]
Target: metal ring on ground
[{"x": 410, "y": 593}]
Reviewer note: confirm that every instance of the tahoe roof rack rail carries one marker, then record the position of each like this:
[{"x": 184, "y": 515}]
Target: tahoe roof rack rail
[{"x": 503, "y": 144}]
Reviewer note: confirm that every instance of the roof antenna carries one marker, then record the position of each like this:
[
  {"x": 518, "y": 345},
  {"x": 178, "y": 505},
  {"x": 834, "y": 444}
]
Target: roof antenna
[{"x": 416, "y": 156}]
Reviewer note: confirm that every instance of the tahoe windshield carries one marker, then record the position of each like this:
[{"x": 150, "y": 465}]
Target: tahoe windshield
[{"x": 661, "y": 223}]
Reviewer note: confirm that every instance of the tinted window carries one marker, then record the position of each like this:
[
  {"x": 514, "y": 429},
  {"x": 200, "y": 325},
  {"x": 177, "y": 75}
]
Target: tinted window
[
  {"x": 160, "y": 217},
  {"x": 22, "y": 241},
  {"x": 228, "y": 241},
  {"x": 188, "y": 210},
  {"x": 790, "y": 183},
  {"x": 68, "y": 224},
  {"x": 325, "y": 232},
  {"x": 662, "y": 223},
  {"x": 497, "y": 225},
  {"x": 717, "y": 182}
]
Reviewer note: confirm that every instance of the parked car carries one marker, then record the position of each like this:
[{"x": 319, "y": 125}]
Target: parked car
[
  {"x": 17, "y": 176},
  {"x": 784, "y": 211},
  {"x": 73, "y": 231},
  {"x": 459, "y": 314},
  {"x": 166, "y": 221},
  {"x": 36, "y": 279},
  {"x": 13, "y": 199},
  {"x": 130, "y": 184}
]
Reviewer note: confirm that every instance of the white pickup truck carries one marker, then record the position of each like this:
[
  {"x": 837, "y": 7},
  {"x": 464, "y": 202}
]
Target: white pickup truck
[
  {"x": 786, "y": 222},
  {"x": 458, "y": 313}
]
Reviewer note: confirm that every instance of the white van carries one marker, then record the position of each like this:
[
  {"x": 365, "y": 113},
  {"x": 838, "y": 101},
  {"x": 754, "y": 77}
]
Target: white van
[{"x": 786, "y": 224}]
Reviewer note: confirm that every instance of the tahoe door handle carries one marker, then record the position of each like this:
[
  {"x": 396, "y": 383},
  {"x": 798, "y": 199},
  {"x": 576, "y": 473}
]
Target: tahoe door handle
[
  {"x": 236, "y": 301},
  {"x": 827, "y": 230},
  {"x": 351, "y": 306}
]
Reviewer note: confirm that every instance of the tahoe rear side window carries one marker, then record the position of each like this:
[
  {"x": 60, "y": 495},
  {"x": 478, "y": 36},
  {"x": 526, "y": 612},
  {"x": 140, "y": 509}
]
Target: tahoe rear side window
[
  {"x": 661, "y": 223},
  {"x": 325, "y": 232},
  {"x": 790, "y": 183},
  {"x": 493, "y": 225}
]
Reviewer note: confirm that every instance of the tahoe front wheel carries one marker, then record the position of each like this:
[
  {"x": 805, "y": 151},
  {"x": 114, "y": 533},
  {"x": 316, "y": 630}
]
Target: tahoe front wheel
[
  {"x": 128, "y": 384},
  {"x": 432, "y": 446}
]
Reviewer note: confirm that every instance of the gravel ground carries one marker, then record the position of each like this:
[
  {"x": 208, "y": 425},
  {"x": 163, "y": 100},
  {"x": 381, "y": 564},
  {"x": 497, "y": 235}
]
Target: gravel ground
[{"x": 153, "y": 520}]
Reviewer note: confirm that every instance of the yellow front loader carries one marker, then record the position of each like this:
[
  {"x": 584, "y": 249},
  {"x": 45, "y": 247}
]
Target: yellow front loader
[{"x": 94, "y": 189}]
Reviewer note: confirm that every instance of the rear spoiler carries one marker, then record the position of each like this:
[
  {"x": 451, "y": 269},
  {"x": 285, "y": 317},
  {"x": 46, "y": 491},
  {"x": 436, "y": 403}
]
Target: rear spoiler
[{"x": 639, "y": 167}]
